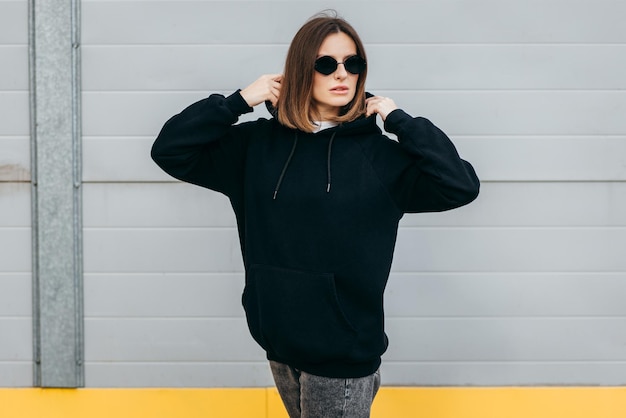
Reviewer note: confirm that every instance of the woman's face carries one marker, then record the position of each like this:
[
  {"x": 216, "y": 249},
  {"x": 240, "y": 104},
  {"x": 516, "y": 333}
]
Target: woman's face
[{"x": 332, "y": 92}]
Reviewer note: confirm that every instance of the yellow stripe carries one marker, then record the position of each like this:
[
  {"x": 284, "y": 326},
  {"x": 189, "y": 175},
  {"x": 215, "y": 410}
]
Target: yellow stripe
[{"x": 579, "y": 402}]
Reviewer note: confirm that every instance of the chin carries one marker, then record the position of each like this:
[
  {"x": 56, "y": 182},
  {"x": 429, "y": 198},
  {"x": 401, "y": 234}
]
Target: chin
[
  {"x": 340, "y": 101},
  {"x": 333, "y": 102}
]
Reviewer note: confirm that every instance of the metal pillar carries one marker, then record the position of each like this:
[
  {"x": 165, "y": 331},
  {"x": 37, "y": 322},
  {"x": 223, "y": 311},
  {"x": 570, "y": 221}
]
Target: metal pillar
[{"x": 54, "y": 51}]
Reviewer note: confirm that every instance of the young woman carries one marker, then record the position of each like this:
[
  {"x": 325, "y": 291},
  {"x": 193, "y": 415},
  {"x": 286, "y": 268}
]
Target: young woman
[{"x": 318, "y": 192}]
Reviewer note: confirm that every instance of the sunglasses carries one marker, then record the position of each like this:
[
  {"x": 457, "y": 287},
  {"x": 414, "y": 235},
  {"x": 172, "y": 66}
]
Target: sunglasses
[{"x": 327, "y": 65}]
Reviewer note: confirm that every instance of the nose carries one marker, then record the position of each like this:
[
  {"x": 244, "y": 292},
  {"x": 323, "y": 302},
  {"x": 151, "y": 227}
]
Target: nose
[{"x": 340, "y": 72}]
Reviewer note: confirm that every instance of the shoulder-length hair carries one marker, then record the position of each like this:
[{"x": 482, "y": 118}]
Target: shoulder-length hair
[{"x": 295, "y": 105}]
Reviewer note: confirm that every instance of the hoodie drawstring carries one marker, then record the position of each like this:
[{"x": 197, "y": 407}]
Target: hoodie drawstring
[
  {"x": 330, "y": 150},
  {"x": 282, "y": 174},
  {"x": 293, "y": 150}
]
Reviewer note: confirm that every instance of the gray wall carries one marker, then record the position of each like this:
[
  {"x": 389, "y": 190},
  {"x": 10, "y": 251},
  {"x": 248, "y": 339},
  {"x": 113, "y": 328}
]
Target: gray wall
[
  {"x": 525, "y": 286},
  {"x": 15, "y": 234}
]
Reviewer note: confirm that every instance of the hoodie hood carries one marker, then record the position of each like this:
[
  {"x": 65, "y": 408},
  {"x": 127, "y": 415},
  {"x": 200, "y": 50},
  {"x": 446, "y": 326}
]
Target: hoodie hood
[{"x": 359, "y": 126}]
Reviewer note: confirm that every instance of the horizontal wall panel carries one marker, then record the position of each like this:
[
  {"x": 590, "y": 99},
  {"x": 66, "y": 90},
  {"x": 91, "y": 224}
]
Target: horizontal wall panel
[
  {"x": 17, "y": 339},
  {"x": 15, "y": 247},
  {"x": 13, "y": 22},
  {"x": 15, "y": 110},
  {"x": 163, "y": 295},
  {"x": 531, "y": 204},
  {"x": 189, "y": 375},
  {"x": 497, "y": 113},
  {"x": 15, "y": 295},
  {"x": 490, "y": 67},
  {"x": 505, "y": 295},
  {"x": 408, "y": 295},
  {"x": 503, "y": 113},
  {"x": 495, "y": 158},
  {"x": 113, "y": 159},
  {"x": 482, "y": 21},
  {"x": 154, "y": 68},
  {"x": 155, "y": 205},
  {"x": 169, "y": 340},
  {"x": 16, "y": 374},
  {"x": 506, "y": 339},
  {"x": 178, "y": 204},
  {"x": 494, "y": 67},
  {"x": 165, "y": 250},
  {"x": 510, "y": 249},
  {"x": 15, "y": 204},
  {"x": 581, "y": 158},
  {"x": 553, "y": 373},
  {"x": 418, "y": 249},
  {"x": 138, "y": 113},
  {"x": 14, "y": 159},
  {"x": 14, "y": 68}
]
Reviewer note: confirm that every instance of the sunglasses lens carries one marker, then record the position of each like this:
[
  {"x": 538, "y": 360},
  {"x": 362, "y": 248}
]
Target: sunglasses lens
[
  {"x": 355, "y": 64},
  {"x": 325, "y": 65}
]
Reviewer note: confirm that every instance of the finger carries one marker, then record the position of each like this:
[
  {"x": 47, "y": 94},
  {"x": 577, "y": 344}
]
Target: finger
[
  {"x": 275, "y": 94},
  {"x": 274, "y": 89}
]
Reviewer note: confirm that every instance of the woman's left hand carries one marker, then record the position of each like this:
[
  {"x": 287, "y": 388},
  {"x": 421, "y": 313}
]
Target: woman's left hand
[{"x": 381, "y": 105}]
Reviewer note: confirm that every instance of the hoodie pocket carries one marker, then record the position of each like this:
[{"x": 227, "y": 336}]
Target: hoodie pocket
[{"x": 296, "y": 315}]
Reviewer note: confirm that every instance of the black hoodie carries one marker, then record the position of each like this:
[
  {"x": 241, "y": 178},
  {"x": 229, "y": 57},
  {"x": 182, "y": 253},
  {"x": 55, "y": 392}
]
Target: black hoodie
[{"x": 317, "y": 216}]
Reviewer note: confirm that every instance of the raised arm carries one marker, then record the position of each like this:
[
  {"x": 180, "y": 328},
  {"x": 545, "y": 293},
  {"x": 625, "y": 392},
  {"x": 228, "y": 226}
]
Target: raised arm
[
  {"x": 424, "y": 173},
  {"x": 202, "y": 145},
  {"x": 437, "y": 179}
]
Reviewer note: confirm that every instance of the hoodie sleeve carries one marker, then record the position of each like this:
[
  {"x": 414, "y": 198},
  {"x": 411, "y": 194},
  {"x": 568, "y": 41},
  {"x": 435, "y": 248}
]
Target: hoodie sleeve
[
  {"x": 201, "y": 145},
  {"x": 433, "y": 178}
]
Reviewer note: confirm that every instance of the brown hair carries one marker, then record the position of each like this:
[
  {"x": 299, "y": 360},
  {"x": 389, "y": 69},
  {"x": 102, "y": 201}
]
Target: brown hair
[{"x": 295, "y": 105}]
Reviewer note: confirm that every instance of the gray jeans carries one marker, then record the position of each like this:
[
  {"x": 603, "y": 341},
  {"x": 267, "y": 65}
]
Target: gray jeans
[{"x": 309, "y": 396}]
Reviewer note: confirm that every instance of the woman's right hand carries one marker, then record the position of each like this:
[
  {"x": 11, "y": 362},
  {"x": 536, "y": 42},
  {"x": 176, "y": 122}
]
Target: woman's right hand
[{"x": 267, "y": 87}]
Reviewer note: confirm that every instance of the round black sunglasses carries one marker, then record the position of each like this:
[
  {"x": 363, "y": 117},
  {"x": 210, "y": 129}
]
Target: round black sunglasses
[{"x": 327, "y": 65}]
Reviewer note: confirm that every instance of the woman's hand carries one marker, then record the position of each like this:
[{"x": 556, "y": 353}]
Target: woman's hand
[
  {"x": 381, "y": 105},
  {"x": 267, "y": 87}
]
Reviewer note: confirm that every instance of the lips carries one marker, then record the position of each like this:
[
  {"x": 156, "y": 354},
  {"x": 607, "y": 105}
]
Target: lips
[{"x": 340, "y": 89}]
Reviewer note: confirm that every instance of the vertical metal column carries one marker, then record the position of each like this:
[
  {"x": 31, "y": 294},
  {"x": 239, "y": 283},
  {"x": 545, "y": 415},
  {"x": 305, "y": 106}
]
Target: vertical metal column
[{"x": 54, "y": 51}]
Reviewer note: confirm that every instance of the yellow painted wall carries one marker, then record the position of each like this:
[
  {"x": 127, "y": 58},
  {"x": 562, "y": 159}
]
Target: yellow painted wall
[{"x": 598, "y": 402}]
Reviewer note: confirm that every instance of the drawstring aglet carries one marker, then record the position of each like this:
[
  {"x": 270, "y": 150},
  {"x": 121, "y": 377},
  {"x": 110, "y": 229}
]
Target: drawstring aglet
[
  {"x": 275, "y": 193},
  {"x": 328, "y": 188}
]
